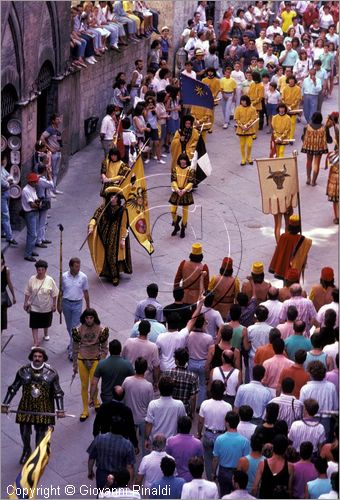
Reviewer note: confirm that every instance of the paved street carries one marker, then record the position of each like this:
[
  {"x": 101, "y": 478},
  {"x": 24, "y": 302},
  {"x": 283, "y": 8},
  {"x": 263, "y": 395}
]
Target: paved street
[{"x": 227, "y": 220}]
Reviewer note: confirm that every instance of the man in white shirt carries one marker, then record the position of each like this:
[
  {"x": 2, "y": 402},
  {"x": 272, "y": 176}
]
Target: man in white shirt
[
  {"x": 333, "y": 305},
  {"x": 108, "y": 129},
  {"x": 245, "y": 427},
  {"x": 188, "y": 71},
  {"x": 239, "y": 78},
  {"x": 291, "y": 409},
  {"x": 213, "y": 318},
  {"x": 211, "y": 422},
  {"x": 322, "y": 391},
  {"x": 173, "y": 339},
  {"x": 269, "y": 57},
  {"x": 240, "y": 481},
  {"x": 198, "y": 488},
  {"x": 260, "y": 41},
  {"x": 274, "y": 307},
  {"x": 257, "y": 334},
  {"x": 150, "y": 466},
  {"x": 163, "y": 413},
  {"x": 74, "y": 287},
  {"x": 30, "y": 206},
  {"x": 274, "y": 29}
]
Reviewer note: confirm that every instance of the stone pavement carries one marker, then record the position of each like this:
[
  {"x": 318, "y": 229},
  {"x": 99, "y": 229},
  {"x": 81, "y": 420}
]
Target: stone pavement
[{"x": 227, "y": 220}]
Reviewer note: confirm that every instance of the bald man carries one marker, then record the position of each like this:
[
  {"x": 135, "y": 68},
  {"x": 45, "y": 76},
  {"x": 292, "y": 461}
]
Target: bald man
[
  {"x": 305, "y": 308},
  {"x": 274, "y": 306}
]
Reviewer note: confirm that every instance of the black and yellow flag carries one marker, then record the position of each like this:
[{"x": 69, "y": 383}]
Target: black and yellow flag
[
  {"x": 26, "y": 483},
  {"x": 135, "y": 193}
]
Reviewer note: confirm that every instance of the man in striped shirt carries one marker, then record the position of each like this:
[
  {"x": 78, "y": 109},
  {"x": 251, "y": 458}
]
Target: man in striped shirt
[
  {"x": 308, "y": 428},
  {"x": 291, "y": 409}
]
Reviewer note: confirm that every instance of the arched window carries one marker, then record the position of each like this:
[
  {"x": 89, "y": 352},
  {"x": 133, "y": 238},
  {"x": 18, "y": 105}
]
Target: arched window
[{"x": 8, "y": 100}]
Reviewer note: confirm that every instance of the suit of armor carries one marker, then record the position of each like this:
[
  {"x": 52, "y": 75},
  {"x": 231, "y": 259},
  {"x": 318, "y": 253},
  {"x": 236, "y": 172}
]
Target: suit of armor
[{"x": 40, "y": 391}]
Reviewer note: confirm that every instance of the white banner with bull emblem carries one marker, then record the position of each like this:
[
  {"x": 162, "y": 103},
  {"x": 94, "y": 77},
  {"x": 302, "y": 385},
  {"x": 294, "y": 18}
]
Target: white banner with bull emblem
[{"x": 279, "y": 184}]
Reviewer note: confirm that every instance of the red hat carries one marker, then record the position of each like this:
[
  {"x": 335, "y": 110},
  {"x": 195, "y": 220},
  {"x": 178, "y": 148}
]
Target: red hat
[
  {"x": 32, "y": 177},
  {"x": 227, "y": 263},
  {"x": 327, "y": 274},
  {"x": 292, "y": 275}
]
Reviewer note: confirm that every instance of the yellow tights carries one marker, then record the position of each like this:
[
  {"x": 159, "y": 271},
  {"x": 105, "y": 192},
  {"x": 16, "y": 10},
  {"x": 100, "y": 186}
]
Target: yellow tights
[
  {"x": 280, "y": 151},
  {"x": 292, "y": 127},
  {"x": 246, "y": 143},
  {"x": 173, "y": 211},
  {"x": 86, "y": 377}
]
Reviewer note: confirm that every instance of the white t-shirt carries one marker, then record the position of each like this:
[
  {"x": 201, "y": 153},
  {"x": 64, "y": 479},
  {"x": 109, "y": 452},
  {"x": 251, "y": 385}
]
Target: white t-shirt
[
  {"x": 239, "y": 77},
  {"x": 214, "y": 413},
  {"x": 167, "y": 343},
  {"x": 332, "y": 350},
  {"x": 129, "y": 138},
  {"x": 41, "y": 293},
  {"x": 326, "y": 20},
  {"x": 190, "y": 75},
  {"x": 273, "y": 97},
  {"x": 322, "y": 311},
  {"x": 108, "y": 127},
  {"x": 150, "y": 467},
  {"x": 28, "y": 195},
  {"x": 232, "y": 383}
]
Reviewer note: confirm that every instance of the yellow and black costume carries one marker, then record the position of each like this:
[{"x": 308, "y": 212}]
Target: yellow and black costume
[
  {"x": 90, "y": 344},
  {"x": 113, "y": 170},
  {"x": 256, "y": 96},
  {"x": 109, "y": 241},
  {"x": 244, "y": 117},
  {"x": 184, "y": 141},
  {"x": 281, "y": 125},
  {"x": 182, "y": 180}
]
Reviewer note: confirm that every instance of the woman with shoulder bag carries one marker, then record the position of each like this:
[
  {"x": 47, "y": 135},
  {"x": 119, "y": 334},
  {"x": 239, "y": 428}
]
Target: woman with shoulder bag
[
  {"x": 43, "y": 189},
  {"x": 5, "y": 300},
  {"x": 40, "y": 302}
]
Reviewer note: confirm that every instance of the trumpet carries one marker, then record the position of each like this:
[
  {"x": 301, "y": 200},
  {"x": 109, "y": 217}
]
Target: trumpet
[
  {"x": 292, "y": 112},
  {"x": 248, "y": 125},
  {"x": 282, "y": 142}
]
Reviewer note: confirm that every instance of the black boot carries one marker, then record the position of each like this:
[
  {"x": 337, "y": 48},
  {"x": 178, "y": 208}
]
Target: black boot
[
  {"x": 177, "y": 226},
  {"x": 182, "y": 235},
  {"x": 25, "y": 455}
]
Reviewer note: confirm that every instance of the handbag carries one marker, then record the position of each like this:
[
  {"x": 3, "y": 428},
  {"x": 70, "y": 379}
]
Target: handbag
[
  {"x": 29, "y": 303},
  {"x": 5, "y": 300},
  {"x": 45, "y": 204}
]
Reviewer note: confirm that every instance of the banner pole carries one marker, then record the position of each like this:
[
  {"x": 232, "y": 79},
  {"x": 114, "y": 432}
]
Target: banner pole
[{"x": 295, "y": 154}]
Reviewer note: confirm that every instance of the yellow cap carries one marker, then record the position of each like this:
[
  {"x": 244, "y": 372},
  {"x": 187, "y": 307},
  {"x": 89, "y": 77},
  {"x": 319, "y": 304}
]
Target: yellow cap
[
  {"x": 196, "y": 249},
  {"x": 294, "y": 220},
  {"x": 257, "y": 268}
]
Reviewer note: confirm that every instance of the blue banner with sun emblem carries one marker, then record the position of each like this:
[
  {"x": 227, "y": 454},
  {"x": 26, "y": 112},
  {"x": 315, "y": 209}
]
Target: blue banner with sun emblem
[{"x": 196, "y": 93}]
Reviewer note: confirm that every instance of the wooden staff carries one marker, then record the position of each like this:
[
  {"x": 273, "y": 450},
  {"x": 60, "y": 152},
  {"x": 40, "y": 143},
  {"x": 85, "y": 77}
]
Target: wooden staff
[
  {"x": 60, "y": 296},
  {"x": 118, "y": 185}
]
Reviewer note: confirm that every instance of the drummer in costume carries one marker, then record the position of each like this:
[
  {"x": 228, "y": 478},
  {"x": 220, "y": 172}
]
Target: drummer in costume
[
  {"x": 245, "y": 115},
  {"x": 113, "y": 170},
  {"x": 185, "y": 140},
  {"x": 291, "y": 96},
  {"x": 203, "y": 119},
  {"x": 256, "y": 96},
  {"x": 190, "y": 274},
  {"x": 89, "y": 346},
  {"x": 332, "y": 162},
  {"x": 213, "y": 82},
  {"x": 224, "y": 287},
  {"x": 40, "y": 390},
  {"x": 182, "y": 179},
  {"x": 281, "y": 126},
  {"x": 109, "y": 237}
]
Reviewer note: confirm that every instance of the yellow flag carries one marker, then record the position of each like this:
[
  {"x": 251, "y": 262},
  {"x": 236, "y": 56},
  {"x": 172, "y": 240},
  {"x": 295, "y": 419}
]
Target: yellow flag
[
  {"x": 26, "y": 483},
  {"x": 135, "y": 193}
]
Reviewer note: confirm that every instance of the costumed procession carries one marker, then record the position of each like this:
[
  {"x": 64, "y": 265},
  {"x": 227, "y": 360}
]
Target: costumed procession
[{"x": 187, "y": 298}]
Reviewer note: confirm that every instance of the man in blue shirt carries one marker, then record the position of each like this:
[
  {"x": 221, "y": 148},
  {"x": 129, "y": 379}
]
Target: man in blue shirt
[
  {"x": 150, "y": 313},
  {"x": 169, "y": 486},
  {"x": 254, "y": 394},
  {"x": 289, "y": 56},
  {"x": 297, "y": 341},
  {"x": 321, "y": 73},
  {"x": 311, "y": 88},
  {"x": 228, "y": 449}
]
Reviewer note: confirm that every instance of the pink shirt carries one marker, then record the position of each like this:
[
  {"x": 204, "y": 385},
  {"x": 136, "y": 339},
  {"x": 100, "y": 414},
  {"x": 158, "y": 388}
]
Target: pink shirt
[
  {"x": 198, "y": 345},
  {"x": 286, "y": 329},
  {"x": 274, "y": 367}
]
